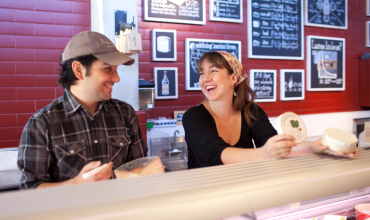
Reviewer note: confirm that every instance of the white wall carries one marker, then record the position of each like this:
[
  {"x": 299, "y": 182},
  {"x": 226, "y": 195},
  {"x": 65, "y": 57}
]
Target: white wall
[{"x": 128, "y": 88}]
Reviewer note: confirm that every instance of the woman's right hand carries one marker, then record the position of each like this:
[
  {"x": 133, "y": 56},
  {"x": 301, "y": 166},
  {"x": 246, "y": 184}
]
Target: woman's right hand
[{"x": 277, "y": 146}]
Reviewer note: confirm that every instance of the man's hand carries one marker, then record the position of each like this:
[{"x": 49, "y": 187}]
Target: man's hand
[
  {"x": 277, "y": 146},
  {"x": 103, "y": 174},
  {"x": 319, "y": 148}
]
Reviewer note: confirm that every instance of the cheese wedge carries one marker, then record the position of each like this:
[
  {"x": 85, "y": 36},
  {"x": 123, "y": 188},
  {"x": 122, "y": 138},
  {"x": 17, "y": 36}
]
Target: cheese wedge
[
  {"x": 291, "y": 123},
  {"x": 140, "y": 167},
  {"x": 339, "y": 140}
]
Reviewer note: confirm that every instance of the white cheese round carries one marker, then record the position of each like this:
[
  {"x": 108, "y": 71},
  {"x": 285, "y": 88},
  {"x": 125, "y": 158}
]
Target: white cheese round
[
  {"x": 339, "y": 140},
  {"x": 291, "y": 123}
]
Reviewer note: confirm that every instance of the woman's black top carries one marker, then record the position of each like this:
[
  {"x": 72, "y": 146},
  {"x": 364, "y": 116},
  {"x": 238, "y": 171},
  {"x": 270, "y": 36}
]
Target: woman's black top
[{"x": 205, "y": 145}]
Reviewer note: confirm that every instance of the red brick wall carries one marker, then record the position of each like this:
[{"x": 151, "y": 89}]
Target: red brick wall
[
  {"x": 315, "y": 102},
  {"x": 32, "y": 35}
]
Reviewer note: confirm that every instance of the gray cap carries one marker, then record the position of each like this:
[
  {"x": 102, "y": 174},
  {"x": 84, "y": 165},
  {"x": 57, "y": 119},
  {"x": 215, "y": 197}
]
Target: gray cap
[{"x": 96, "y": 44}]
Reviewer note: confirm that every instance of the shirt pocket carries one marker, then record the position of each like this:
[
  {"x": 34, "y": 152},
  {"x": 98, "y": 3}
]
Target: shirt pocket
[
  {"x": 119, "y": 149},
  {"x": 71, "y": 157}
]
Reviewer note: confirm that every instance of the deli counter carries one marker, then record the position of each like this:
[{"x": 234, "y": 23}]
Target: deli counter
[{"x": 300, "y": 187}]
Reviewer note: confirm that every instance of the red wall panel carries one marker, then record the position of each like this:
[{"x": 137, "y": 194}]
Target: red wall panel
[
  {"x": 315, "y": 102},
  {"x": 33, "y": 34}
]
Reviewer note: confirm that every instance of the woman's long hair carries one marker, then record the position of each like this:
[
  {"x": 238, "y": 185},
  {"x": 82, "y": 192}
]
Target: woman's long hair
[{"x": 245, "y": 96}]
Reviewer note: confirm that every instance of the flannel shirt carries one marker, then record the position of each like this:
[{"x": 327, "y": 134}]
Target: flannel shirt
[{"x": 60, "y": 139}]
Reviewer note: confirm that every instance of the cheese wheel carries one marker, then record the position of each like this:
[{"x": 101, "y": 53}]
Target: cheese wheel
[
  {"x": 291, "y": 123},
  {"x": 339, "y": 140}
]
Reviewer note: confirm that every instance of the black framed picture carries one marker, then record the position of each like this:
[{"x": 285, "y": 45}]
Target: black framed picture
[
  {"x": 164, "y": 45},
  {"x": 291, "y": 84},
  {"x": 166, "y": 82},
  {"x": 175, "y": 11},
  {"x": 367, "y": 33},
  {"x": 195, "y": 48},
  {"x": 226, "y": 10},
  {"x": 275, "y": 30},
  {"x": 326, "y": 13},
  {"x": 325, "y": 63},
  {"x": 263, "y": 83}
]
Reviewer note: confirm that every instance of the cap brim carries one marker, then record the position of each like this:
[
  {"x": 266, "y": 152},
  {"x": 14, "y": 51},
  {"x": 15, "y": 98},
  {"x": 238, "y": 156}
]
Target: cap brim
[{"x": 115, "y": 58}]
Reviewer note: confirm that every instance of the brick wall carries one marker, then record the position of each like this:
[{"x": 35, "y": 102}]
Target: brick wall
[
  {"x": 34, "y": 32},
  {"x": 315, "y": 102},
  {"x": 32, "y": 35}
]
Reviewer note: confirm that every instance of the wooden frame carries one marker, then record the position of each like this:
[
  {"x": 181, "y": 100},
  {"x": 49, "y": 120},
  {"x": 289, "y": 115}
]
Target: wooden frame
[
  {"x": 164, "y": 45},
  {"x": 170, "y": 91},
  {"x": 195, "y": 48},
  {"x": 235, "y": 7},
  {"x": 292, "y": 84},
  {"x": 271, "y": 38},
  {"x": 178, "y": 116},
  {"x": 325, "y": 68},
  {"x": 264, "y": 92},
  {"x": 323, "y": 13},
  {"x": 177, "y": 11}
]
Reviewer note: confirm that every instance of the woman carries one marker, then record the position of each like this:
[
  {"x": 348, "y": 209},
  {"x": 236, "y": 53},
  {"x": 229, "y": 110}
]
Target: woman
[{"x": 221, "y": 129}]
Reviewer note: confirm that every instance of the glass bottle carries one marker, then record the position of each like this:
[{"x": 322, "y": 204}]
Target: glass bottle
[{"x": 165, "y": 84}]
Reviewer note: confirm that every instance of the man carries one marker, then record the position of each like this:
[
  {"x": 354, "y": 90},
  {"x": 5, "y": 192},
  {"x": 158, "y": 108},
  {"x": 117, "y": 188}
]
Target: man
[{"x": 85, "y": 127}]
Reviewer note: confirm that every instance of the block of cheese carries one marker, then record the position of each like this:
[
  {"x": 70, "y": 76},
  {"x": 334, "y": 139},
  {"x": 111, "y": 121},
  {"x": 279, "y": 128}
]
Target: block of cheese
[
  {"x": 140, "y": 167},
  {"x": 339, "y": 140},
  {"x": 291, "y": 123}
]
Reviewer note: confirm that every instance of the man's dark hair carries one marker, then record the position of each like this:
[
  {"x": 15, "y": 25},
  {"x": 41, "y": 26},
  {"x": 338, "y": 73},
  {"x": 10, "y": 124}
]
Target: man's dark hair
[{"x": 66, "y": 74}]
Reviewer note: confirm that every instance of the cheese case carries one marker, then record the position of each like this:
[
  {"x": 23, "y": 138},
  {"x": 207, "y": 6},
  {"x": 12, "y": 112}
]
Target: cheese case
[
  {"x": 310, "y": 186},
  {"x": 291, "y": 123}
]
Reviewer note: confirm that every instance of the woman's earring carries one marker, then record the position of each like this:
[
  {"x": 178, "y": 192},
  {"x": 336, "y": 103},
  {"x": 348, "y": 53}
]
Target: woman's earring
[{"x": 234, "y": 93}]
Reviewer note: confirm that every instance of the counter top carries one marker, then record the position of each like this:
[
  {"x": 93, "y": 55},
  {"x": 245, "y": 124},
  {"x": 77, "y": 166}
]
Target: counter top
[{"x": 9, "y": 179}]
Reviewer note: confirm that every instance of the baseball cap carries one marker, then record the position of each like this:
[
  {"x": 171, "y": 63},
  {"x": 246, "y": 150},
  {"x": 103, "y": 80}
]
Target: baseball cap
[{"x": 96, "y": 44}]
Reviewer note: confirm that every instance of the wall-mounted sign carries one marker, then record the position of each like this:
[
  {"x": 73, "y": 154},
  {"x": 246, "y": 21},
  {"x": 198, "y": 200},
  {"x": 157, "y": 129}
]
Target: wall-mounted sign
[
  {"x": 166, "y": 82},
  {"x": 226, "y": 10},
  {"x": 195, "y": 48},
  {"x": 326, "y": 13},
  {"x": 178, "y": 116},
  {"x": 325, "y": 63},
  {"x": 291, "y": 84},
  {"x": 367, "y": 33},
  {"x": 275, "y": 30},
  {"x": 367, "y": 7},
  {"x": 175, "y": 11},
  {"x": 263, "y": 83},
  {"x": 164, "y": 45}
]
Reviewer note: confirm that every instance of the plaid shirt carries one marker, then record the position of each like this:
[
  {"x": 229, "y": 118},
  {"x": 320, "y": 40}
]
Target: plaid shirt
[{"x": 60, "y": 139}]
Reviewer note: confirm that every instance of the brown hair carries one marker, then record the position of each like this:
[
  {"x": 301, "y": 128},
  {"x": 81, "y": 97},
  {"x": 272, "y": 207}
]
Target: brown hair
[{"x": 245, "y": 96}]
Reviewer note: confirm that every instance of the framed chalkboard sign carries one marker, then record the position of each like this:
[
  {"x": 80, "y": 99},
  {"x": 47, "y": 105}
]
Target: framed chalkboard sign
[
  {"x": 175, "y": 11},
  {"x": 263, "y": 82},
  {"x": 195, "y": 48},
  {"x": 325, "y": 63},
  {"x": 226, "y": 10},
  {"x": 368, "y": 33},
  {"x": 164, "y": 45},
  {"x": 275, "y": 30},
  {"x": 326, "y": 13},
  {"x": 166, "y": 83},
  {"x": 291, "y": 84}
]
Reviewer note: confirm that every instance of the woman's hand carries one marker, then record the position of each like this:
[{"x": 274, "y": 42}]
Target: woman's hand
[
  {"x": 319, "y": 148},
  {"x": 277, "y": 146}
]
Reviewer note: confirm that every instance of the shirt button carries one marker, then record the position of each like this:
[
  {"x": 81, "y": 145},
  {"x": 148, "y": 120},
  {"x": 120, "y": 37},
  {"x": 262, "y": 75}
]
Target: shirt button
[
  {"x": 72, "y": 151},
  {"x": 95, "y": 141},
  {"x": 121, "y": 144}
]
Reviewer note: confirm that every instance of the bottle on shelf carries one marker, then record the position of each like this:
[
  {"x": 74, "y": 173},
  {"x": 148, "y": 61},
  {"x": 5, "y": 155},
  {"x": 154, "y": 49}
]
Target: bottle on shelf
[{"x": 165, "y": 84}]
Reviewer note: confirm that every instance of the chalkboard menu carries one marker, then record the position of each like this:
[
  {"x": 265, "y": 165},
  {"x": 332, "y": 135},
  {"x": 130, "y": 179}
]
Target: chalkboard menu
[
  {"x": 226, "y": 10},
  {"x": 291, "y": 84},
  {"x": 263, "y": 83},
  {"x": 325, "y": 63},
  {"x": 195, "y": 48},
  {"x": 326, "y": 13},
  {"x": 175, "y": 11},
  {"x": 275, "y": 29}
]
